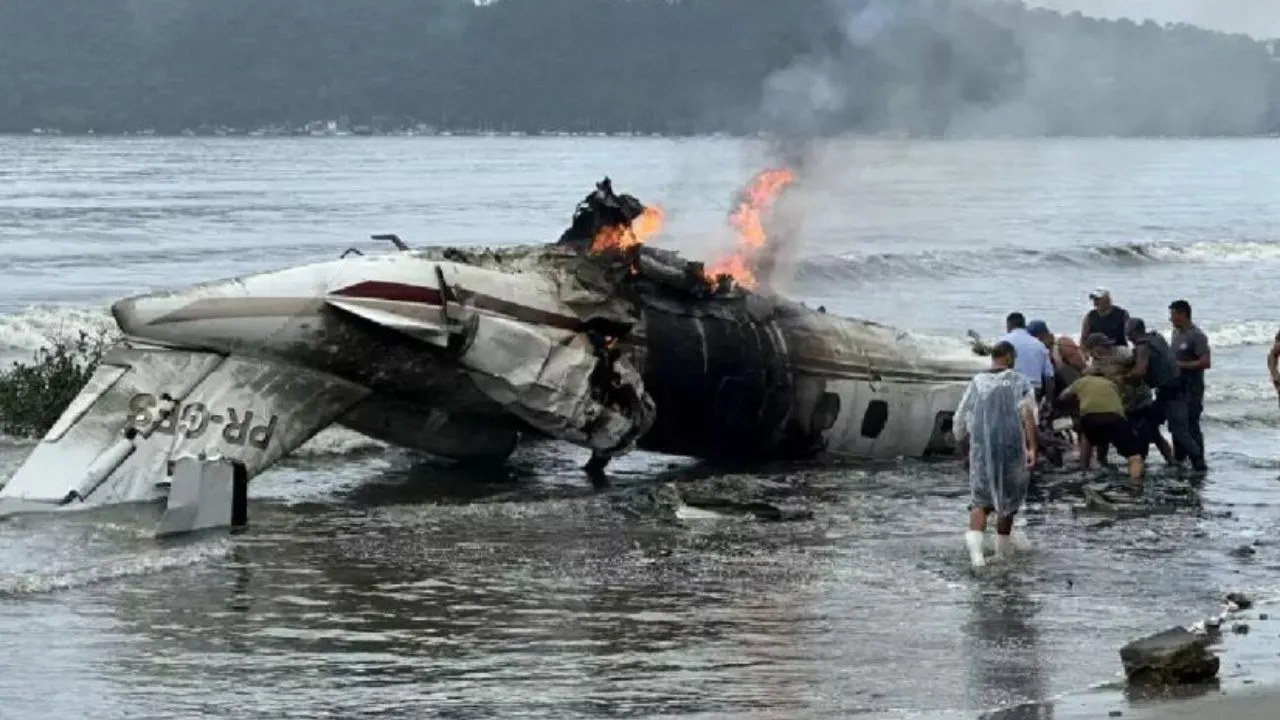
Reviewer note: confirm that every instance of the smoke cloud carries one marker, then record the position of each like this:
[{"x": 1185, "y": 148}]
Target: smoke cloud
[
  {"x": 983, "y": 68},
  {"x": 991, "y": 67}
]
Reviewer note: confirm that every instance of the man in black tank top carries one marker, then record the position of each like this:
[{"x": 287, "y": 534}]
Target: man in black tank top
[{"x": 1105, "y": 318}]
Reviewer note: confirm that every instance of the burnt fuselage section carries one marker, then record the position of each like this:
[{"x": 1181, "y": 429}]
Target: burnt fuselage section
[
  {"x": 743, "y": 377},
  {"x": 721, "y": 381}
]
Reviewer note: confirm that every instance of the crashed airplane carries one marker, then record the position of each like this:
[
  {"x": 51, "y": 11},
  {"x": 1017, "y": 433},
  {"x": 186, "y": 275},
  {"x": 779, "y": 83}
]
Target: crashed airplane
[{"x": 597, "y": 339}]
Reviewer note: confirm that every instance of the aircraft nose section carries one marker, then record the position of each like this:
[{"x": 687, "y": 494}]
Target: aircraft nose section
[
  {"x": 190, "y": 318},
  {"x": 257, "y": 313},
  {"x": 135, "y": 315}
]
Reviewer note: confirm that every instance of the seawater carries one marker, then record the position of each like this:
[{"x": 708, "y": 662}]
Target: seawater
[{"x": 375, "y": 582}]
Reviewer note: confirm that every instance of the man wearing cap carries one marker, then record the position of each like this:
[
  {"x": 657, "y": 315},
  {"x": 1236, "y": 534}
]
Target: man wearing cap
[
  {"x": 1111, "y": 360},
  {"x": 1068, "y": 365},
  {"x": 1032, "y": 357},
  {"x": 1104, "y": 318},
  {"x": 1068, "y": 361}
]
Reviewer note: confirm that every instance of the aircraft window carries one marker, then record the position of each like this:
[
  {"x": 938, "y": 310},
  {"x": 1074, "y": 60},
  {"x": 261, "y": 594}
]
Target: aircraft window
[
  {"x": 876, "y": 417},
  {"x": 942, "y": 442}
]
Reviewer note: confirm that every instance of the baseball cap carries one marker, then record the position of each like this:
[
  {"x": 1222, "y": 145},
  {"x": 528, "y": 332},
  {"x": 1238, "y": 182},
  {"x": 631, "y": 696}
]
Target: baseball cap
[
  {"x": 1100, "y": 293},
  {"x": 1037, "y": 327},
  {"x": 1098, "y": 340}
]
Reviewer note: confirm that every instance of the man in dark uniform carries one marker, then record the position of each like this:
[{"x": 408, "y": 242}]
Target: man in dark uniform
[
  {"x": 1191, "y": 348},
  {"x": 1105, "y": 318}
]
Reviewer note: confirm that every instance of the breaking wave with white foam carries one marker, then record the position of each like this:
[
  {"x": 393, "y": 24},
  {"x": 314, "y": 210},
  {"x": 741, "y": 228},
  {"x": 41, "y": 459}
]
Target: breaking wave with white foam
[
  {"x": 21, "y": 334},
  {"x": 56, "y": 576},
  {"x": 979, "y": 261}
]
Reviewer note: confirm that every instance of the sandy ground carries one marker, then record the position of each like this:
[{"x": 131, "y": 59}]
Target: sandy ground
[
  {"x": 1251, "y": 703},
  {"x": 1248, "y": 686}
]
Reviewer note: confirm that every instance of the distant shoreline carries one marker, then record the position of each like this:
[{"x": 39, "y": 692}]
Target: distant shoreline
[{"x": 241, "y": 135}]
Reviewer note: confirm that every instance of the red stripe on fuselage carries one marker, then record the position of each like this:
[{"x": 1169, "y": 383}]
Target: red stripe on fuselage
[{"x": 398, "y": 292}]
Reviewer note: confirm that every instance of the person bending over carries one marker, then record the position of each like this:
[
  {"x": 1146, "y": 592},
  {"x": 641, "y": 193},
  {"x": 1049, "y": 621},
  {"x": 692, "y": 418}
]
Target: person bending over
[{"x": 1103, "y": 421}]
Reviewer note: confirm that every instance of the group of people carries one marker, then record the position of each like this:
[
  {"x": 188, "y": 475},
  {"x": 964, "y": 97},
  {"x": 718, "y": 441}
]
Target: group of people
[{"x": 1115, "y": 389}]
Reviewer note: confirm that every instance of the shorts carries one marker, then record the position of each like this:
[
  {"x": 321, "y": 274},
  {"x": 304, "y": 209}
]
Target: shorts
[{"x": 1111, "y": 429}]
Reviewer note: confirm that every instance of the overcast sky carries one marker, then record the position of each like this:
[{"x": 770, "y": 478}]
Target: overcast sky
[{"x": 1260, "y": 18}]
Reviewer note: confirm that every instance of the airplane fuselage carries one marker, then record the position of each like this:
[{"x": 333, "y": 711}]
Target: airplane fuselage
[{"x": 729, "y": 381}]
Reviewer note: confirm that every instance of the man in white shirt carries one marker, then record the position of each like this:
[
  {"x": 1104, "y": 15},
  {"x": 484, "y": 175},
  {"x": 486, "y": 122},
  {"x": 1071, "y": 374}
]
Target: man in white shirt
[{"x": 1032, "y": 359}]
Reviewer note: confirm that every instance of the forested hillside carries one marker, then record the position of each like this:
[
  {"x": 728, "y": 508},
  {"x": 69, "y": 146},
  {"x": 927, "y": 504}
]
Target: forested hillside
[{"x": 924, "y": 67}]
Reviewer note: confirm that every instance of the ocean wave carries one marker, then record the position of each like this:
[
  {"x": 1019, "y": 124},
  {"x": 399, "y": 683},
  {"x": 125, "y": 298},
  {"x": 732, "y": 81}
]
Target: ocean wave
[
  {"x": 856, "y": 265},
  {"x": 338, "y": 441},
  {"x": 1242, "y": 419},
  {"x": 1241, "y": 407},
  {"x": 21, "y": 334},
  {"x": 1243, "y": 334},
  {"x": 1239, "y": 391},
  {"x": 63, "y": 576}
]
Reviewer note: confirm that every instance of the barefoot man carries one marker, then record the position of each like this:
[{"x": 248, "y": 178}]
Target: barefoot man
[{"x": 996, "y": 420}]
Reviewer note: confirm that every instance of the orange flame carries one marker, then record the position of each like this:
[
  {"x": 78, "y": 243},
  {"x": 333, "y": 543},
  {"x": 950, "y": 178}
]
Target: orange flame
[
  {"x": 622, "y": 237},
  {"x": 748, "y": 220}
]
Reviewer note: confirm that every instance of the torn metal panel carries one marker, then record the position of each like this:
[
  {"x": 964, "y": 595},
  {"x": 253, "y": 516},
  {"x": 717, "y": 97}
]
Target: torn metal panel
[{"x": 571, "y": 390}]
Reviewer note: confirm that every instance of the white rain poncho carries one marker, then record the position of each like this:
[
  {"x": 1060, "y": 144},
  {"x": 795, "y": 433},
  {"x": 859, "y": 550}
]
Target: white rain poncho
[{"x": 990, "y": 415}]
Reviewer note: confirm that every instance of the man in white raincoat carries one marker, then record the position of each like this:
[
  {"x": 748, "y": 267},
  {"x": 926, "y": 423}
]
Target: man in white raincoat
[{"x": 996, "y": 420}]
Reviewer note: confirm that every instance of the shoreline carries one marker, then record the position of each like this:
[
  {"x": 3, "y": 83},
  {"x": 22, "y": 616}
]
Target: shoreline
[
  {"x": 1247, "y": 686},
  {"x": 1255, "y": 702}
]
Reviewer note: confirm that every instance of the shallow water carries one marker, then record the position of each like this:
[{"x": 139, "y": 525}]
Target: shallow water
[{"x": 374, "y": 582}]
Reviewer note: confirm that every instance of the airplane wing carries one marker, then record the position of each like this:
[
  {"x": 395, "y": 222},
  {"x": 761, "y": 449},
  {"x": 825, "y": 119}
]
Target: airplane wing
[{"x": 144, "y": 407}]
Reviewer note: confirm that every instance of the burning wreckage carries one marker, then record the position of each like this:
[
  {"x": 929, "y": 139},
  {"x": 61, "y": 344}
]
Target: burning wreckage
[{"x": 598, "y": 339}]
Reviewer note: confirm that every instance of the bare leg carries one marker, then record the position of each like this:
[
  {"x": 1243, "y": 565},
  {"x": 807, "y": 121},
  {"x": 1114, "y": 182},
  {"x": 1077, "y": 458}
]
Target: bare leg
[
  {"x": 1135, "y": 469},
  {"x": 1086, "y": 453},
  {"x": 1004, "y": 525},
  {"x": 978, "y": 519},
  {"x": 1004, "y": 537},
  {"x": 595, "y": 470}
]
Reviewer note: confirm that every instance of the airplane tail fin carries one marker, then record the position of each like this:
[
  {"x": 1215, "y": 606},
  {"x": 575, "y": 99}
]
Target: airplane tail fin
[{"x": 145, "y": 407}]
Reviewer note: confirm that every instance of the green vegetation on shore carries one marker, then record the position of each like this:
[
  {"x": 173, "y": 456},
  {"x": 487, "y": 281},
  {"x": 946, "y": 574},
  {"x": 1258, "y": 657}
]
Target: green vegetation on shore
[
  {"x": 919, "y": 67},
  {"x": 33, "y": 395}
]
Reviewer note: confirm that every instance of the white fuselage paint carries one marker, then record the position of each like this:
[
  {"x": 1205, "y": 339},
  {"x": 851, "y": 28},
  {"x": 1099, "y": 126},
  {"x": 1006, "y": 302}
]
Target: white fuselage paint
[
  {"x": 912, "y": 411},
  {"x": 272, "y": 315}
]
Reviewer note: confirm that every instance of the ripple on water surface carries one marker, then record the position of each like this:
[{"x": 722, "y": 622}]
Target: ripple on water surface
[{"x": 528, "y": 596}]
